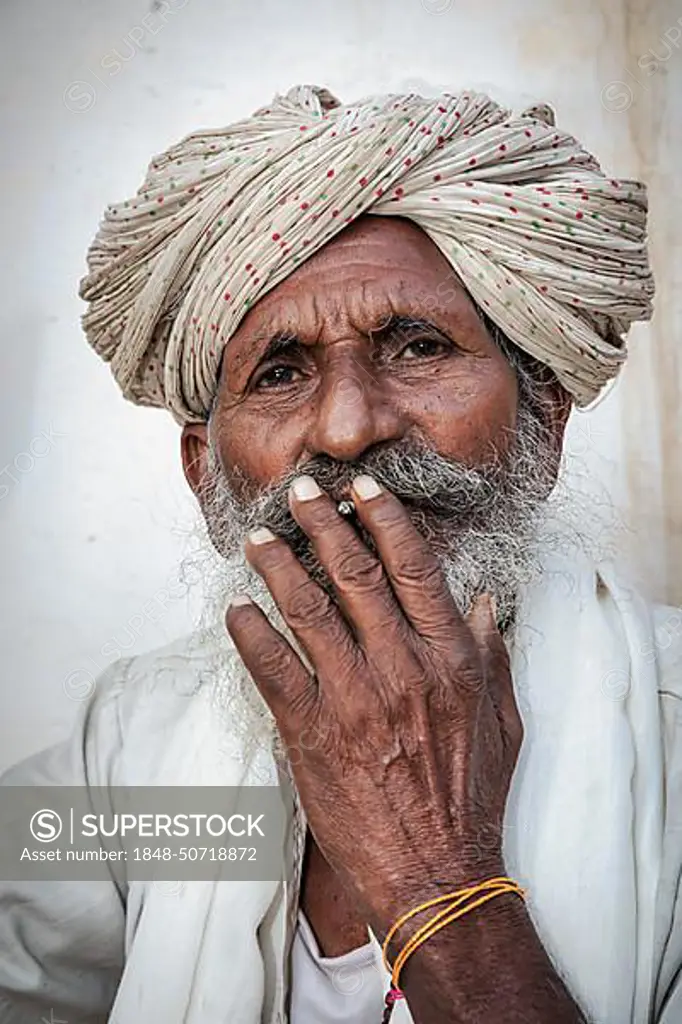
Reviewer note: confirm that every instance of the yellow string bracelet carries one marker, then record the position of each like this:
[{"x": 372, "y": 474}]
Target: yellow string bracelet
[{"x": 459, "y": 903}]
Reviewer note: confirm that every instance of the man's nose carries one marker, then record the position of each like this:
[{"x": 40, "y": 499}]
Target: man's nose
[{"x": 354, "y": 411}]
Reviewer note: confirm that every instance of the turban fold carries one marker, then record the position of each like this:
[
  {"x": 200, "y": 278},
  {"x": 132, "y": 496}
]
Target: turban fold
[{"x": 549, "y": 247}]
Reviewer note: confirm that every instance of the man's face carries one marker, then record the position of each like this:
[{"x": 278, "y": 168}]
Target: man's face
[
  {"x": 371, "y": 358},
  {"x": 370, "y": 342}
]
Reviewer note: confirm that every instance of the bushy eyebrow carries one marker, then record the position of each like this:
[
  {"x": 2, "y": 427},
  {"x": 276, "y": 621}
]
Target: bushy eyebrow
[
  {"x": 280, "y": 343},
  {"x": 398, "y": 325},
  {"x": 287, "y": 342}
]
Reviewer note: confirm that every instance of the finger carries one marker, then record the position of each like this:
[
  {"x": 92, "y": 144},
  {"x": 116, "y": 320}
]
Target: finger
[
  {"x": 310, "y": 613},
  {"x": 495, "y": 657},
  {"x": 362, "y": 588},
  {"x": 286, "y": 686},
  {"x": 412, "y": 568}
]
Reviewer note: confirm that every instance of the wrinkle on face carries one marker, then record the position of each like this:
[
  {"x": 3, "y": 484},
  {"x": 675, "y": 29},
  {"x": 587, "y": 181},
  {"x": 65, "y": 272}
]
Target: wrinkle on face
[{"x": 462, "y": 402}]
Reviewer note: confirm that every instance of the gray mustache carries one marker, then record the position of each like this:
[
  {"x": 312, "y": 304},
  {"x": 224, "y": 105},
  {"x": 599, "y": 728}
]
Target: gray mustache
[{"x": 419, "y": 477}]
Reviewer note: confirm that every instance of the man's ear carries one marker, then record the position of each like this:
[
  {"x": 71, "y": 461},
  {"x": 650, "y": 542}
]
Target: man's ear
[{"x": 194, "y": 451}]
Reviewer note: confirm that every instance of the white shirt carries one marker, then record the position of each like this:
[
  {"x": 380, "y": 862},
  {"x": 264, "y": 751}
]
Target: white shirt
[{"x": 334, "y": 990}]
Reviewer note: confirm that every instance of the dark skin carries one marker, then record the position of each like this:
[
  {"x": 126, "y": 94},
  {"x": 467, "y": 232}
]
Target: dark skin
[{"x": 411, "y": 711}]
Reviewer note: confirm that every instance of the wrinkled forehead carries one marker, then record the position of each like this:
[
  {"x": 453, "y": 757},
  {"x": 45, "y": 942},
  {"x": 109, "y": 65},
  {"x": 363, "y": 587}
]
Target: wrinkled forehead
[{"x": 378, "y": 266}]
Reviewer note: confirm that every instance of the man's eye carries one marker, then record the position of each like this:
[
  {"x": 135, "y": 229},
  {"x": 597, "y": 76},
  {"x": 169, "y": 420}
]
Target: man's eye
[
  {"x": 422, "y": 348},
  {"x": 280, "y": 374}
]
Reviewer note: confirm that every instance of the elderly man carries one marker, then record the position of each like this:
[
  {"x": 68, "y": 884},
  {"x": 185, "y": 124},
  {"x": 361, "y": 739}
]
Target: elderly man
[{"x": 371, "y": 322}]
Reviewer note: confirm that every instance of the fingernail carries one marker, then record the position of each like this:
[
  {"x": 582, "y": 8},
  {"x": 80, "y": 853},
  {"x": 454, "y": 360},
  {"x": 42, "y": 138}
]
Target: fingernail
[
  {"x": 493, "y": 606},
  {"x": 238, "y": 600},
  {"x": 305, "y": 488},
  {"x": 366, "y": 487},
  {"x": 261, "y": 536}
]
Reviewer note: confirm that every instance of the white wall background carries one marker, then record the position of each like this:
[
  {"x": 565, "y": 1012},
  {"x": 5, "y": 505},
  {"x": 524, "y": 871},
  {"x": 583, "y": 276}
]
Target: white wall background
[{"x": 94, "y": 514}]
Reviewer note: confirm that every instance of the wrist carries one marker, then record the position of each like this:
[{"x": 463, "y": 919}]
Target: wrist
[
  {"x": 415, "y": 887},
  {"x": 484, "y": 934}
]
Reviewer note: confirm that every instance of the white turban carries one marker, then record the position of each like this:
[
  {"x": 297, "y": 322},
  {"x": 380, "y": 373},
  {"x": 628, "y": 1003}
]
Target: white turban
[{"x": 548, "y": 246}]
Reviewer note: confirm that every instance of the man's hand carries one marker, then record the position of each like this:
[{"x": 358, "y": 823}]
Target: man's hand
[
  {"x": 403, "y": 741},
  {"x": 411, "y": 706}
]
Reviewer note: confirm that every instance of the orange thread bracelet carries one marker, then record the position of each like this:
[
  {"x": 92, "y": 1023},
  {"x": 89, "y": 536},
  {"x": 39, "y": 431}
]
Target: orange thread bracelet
[{"x": 459, "y": 903}]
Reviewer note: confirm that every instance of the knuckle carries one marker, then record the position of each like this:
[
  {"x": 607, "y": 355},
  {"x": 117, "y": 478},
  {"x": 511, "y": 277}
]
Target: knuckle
[
  {"x": 357, "y": 569},
  {"x": 413, "y": 568},
  {"x": 469, "y": 675},
  {"x": 433, "y": 582},
  {"x": 301, "y": 705},
  {"x": 273, "y": 657},
  {"x": 308, "y": 605}
]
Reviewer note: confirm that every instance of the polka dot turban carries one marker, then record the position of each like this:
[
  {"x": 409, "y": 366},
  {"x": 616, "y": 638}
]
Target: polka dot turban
[{"x": 547, "y": 245}]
